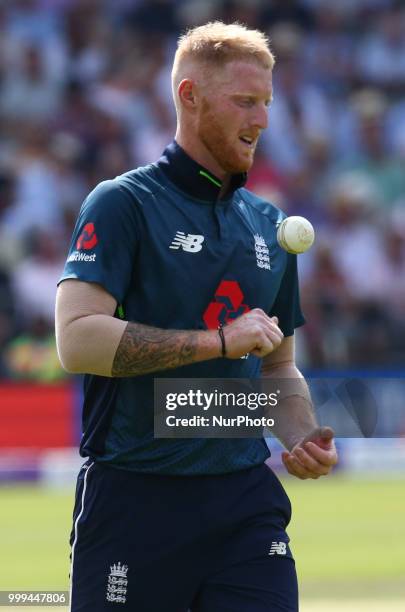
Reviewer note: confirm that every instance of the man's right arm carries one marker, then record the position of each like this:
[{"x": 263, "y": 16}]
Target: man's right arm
[{"x": 91, "y": 340}]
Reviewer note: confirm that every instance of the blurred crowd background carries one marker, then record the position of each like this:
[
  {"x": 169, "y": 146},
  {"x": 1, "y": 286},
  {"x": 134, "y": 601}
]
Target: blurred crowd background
[{"x": 85, "y": 95}]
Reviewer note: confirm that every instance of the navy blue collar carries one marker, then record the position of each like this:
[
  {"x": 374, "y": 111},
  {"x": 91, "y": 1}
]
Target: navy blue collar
[{"x": 192, "y": 178}]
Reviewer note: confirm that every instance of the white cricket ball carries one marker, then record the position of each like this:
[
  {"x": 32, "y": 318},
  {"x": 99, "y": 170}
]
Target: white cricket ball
[{"x": 295, "y": 235}]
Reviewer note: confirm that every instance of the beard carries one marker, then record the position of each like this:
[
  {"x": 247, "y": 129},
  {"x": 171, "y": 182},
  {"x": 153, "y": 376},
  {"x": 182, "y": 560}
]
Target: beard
[{"x": 214, "y": 136}]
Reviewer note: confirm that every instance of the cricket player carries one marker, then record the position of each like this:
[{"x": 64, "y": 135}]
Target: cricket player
[{"x": 174, "y": 271}]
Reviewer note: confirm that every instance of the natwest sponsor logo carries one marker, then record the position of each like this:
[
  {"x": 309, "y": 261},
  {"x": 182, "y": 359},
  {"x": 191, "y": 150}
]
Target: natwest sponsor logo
[
  {"x": 227, "y": 305},
  {"x": 87, "y": 239},
  {"x": 76, "y": 256}
]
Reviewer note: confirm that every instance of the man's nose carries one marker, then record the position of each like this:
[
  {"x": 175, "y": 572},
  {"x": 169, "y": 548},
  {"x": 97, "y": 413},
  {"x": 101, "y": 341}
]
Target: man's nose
[{"x": 261, "y": 118}]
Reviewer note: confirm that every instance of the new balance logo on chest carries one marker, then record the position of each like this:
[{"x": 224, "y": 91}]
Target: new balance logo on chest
[{"x": 191, "y": 243}]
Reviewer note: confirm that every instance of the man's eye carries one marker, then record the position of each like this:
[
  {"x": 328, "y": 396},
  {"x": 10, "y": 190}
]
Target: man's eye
[{"x": 246, "y": 102}]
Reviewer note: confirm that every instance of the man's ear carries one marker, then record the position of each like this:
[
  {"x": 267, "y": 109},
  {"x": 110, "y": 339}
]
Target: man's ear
[{"x": 187, "y": 94}]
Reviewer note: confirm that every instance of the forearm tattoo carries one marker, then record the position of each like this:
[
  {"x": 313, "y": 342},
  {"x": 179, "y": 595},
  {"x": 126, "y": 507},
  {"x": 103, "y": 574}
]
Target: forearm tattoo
[{"x": 145, "y": 349}]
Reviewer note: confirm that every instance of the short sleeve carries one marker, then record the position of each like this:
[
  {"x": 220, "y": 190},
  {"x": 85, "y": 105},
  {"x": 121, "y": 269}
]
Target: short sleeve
[
  {"x": 104, "y": 240},
  {"x": 287, "y": 303}
]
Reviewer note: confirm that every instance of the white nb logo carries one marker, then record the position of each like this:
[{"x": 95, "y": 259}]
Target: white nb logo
[
  {"x": 192, "y": 243},
  {"x": 278, "y": 548}
]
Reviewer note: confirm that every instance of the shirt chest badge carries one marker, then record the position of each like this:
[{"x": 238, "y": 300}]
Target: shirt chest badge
[
  {"x": 262, "y": 253},
  {"x": 191, "y": 243}
]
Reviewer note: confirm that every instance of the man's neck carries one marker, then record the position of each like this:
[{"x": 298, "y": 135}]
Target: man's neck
[
  {"x": 225, "y": 186},
  {"x": 200, "y": 154},
  {"x": 194, "y": 178}
]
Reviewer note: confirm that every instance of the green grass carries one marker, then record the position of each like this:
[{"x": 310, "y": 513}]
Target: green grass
[
  {"x": 348, "y": 538},
  {"x": 34, "y": 530}
]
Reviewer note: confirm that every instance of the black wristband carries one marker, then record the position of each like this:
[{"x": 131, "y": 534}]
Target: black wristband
[{"x": 222, "y": 336}]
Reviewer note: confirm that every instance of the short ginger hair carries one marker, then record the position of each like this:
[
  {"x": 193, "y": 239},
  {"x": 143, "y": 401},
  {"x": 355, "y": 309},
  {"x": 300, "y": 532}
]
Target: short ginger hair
[{"x": 216, "y": 43}]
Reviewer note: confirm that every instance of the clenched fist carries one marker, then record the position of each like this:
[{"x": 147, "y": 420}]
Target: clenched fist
[{"x": 254, "y": 332}]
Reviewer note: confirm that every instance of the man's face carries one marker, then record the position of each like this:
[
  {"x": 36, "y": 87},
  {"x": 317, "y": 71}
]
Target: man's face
[{"x": 233, "y": 112}]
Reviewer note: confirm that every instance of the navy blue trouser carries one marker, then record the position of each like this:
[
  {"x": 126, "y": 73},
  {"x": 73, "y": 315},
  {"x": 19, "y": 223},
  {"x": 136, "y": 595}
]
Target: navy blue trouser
[{"x": 154, "y": 543}]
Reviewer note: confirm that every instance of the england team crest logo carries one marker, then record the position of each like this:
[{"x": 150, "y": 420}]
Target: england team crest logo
[
  {"x": 262, "y": 253},
  {"x": 117, "y": 583}
]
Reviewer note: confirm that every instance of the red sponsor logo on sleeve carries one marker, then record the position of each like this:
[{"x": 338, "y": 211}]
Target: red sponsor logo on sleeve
[{"x": 88, "y": 238}]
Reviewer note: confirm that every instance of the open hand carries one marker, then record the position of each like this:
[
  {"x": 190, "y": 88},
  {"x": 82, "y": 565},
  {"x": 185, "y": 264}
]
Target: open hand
[{"x": 314, "y": 456}]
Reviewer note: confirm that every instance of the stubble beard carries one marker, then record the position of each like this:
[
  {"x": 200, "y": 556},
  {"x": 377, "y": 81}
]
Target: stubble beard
[{"x": 214, "y": 137}]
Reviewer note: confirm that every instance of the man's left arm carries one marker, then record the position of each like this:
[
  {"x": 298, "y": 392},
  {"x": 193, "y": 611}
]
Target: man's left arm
[{"x": 311, "y": 450}]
